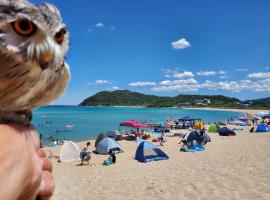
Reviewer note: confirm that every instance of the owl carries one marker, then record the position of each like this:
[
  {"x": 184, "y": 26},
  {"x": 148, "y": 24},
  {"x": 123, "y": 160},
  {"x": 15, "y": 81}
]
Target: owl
[{"x": 33, "y": 45}]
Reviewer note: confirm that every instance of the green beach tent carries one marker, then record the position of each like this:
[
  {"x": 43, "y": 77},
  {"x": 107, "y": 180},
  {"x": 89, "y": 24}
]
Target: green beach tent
[{"x": 213, "y": 128}]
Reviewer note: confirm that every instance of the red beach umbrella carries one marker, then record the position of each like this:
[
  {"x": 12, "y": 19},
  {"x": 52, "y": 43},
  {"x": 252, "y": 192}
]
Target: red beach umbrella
[{"x": 133, "y": 123}]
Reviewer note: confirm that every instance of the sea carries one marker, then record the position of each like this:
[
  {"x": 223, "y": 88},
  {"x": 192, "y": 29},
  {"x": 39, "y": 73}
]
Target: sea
[{"x": 78, "y": 123}]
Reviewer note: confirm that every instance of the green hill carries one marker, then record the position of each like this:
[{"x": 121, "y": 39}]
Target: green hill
[
  {"x": 264, "y": 100},
  {"x": 128, "y": 98},
  {"x": 260, "y": 102}
]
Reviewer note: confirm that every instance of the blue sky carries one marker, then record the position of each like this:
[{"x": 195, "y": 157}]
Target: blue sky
[{"x": 168, "y": 47}]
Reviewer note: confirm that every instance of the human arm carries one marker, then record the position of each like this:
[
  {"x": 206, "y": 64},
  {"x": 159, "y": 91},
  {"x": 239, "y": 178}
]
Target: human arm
[{"x": 25, "y": 172}]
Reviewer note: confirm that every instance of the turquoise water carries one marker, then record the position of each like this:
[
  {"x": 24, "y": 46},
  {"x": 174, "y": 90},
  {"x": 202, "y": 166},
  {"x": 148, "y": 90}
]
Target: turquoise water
[{"x": 88, "y": 122}]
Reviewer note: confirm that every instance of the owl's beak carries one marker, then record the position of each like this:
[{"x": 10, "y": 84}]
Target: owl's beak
[
  {"x": 45, "y": 60},
  {"x": 47, "y": 57}
]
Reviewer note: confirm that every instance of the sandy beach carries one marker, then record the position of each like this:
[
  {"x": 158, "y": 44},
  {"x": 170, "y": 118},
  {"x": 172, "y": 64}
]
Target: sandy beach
[{"x": 235, "y": 167}]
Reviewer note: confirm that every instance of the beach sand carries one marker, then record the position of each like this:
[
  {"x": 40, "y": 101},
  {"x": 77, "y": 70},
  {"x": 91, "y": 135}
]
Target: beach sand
[{"x": 236, "y": 167}]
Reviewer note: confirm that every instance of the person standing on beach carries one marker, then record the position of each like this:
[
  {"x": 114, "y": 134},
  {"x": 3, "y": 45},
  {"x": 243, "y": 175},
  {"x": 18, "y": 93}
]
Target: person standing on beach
[
  {"x": 162, "y": 139},
  {"x": 85, "y": 154}
]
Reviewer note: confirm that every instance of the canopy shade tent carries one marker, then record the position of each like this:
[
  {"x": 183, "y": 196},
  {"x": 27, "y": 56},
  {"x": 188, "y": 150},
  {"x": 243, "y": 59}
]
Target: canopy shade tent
[
  {"x": 189, "y": 119},
  {"x": 133, "y": 123}
]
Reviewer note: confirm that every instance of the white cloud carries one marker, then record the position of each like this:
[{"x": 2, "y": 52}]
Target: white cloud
[
  {"x": 206, "y": 73},
  {"x": 259, "y": 75},
  {"x": 221, "y": 72},
  {"x": 193, "y": 85},
  {"x": 242, "y": 70},
  {"x": 100, "y": 82},
  {"x": 89, "y": 30},
  {"x": 178, "y": 82},
  {"x": 180, "y": 44},
  {"x": 211, "y": 73},
  {"x": 222, "y": 77},
  {"x": 177, "y": 85},
  {"x": 185, "y": 74},
  {"x": 100, "y": 25},
  {"x": 141, "y": 84},
  {"x": 115, "y": 88},
  {"x": 267, "y": 68}
]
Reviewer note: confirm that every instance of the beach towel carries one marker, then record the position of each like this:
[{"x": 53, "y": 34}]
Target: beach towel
[{"x": 198, "y": 147}]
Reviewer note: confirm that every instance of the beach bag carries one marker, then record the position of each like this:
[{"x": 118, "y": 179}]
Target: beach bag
[{"x": 108, "y": 161}]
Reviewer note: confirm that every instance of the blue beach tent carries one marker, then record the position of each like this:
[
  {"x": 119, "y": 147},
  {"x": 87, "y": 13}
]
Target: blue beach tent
[
  {"x": 226, "y": 132},
  {"x": 107, "y": 144},
  {"x": 262, "y": 128},
  {"x": 147, "y": 152}
]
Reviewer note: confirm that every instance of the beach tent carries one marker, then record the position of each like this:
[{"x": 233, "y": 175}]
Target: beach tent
[
  {"x": 195, "y": 135},
  {"x": 100, "y": 137},
  {"x": 262, "y": 128},
  {"x": 147, "y": 152},
  {"x": 113, "y": 133},
  {"x": 266, "y": 117},
  {"x": 107, "y": 144},
  {"x": 226, "y": 132},
  {"x": 69, "y": 152},
  {"x": 213, "y": 128}
]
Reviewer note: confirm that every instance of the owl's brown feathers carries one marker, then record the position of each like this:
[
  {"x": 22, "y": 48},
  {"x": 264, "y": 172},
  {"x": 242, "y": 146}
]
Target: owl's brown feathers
[{"x": 33, "y": 44}]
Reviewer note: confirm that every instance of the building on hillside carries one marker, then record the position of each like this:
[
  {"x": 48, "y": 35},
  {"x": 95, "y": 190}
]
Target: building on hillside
[
  {"x": 244, "y": 104},
  {"x": 184, "y": 104},
  {"x": 204, "y": 102}
]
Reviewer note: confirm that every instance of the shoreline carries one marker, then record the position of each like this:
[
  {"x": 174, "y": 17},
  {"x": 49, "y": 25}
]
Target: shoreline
[
  {"x": 251, "y": 111},
  {"x": 244, "y": 110}
]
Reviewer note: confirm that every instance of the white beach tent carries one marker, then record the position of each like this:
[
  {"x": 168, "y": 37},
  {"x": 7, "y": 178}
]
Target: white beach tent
[{"x": 69, "y": 152}]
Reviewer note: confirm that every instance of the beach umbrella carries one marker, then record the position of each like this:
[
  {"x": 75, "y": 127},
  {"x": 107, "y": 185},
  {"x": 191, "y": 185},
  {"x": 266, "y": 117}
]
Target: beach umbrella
[{"x": 133, "y": 123}]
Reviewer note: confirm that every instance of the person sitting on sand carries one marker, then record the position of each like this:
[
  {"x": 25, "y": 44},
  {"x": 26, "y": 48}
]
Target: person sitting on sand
[
  {"x": 85, "y": 154},
  {"x": 202, "y": 135},
  {"x": 112, "y": 154},
  {"x": 111, "y": 160}
]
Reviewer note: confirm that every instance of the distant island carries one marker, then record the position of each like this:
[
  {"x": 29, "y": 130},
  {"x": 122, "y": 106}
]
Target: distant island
[{"x": 129, "y": 98}]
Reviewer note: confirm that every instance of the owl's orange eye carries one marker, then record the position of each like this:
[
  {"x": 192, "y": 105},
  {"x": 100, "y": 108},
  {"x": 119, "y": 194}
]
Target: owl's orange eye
[
  {"x": 24, "y": 27},
  {"x": 59, "y": 36}
]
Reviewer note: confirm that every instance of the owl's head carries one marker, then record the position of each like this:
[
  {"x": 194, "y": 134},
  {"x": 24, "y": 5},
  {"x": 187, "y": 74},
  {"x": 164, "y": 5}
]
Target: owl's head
[
  {"x": 36, "y": 31},
  {"x": 33, "y": 45}
]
